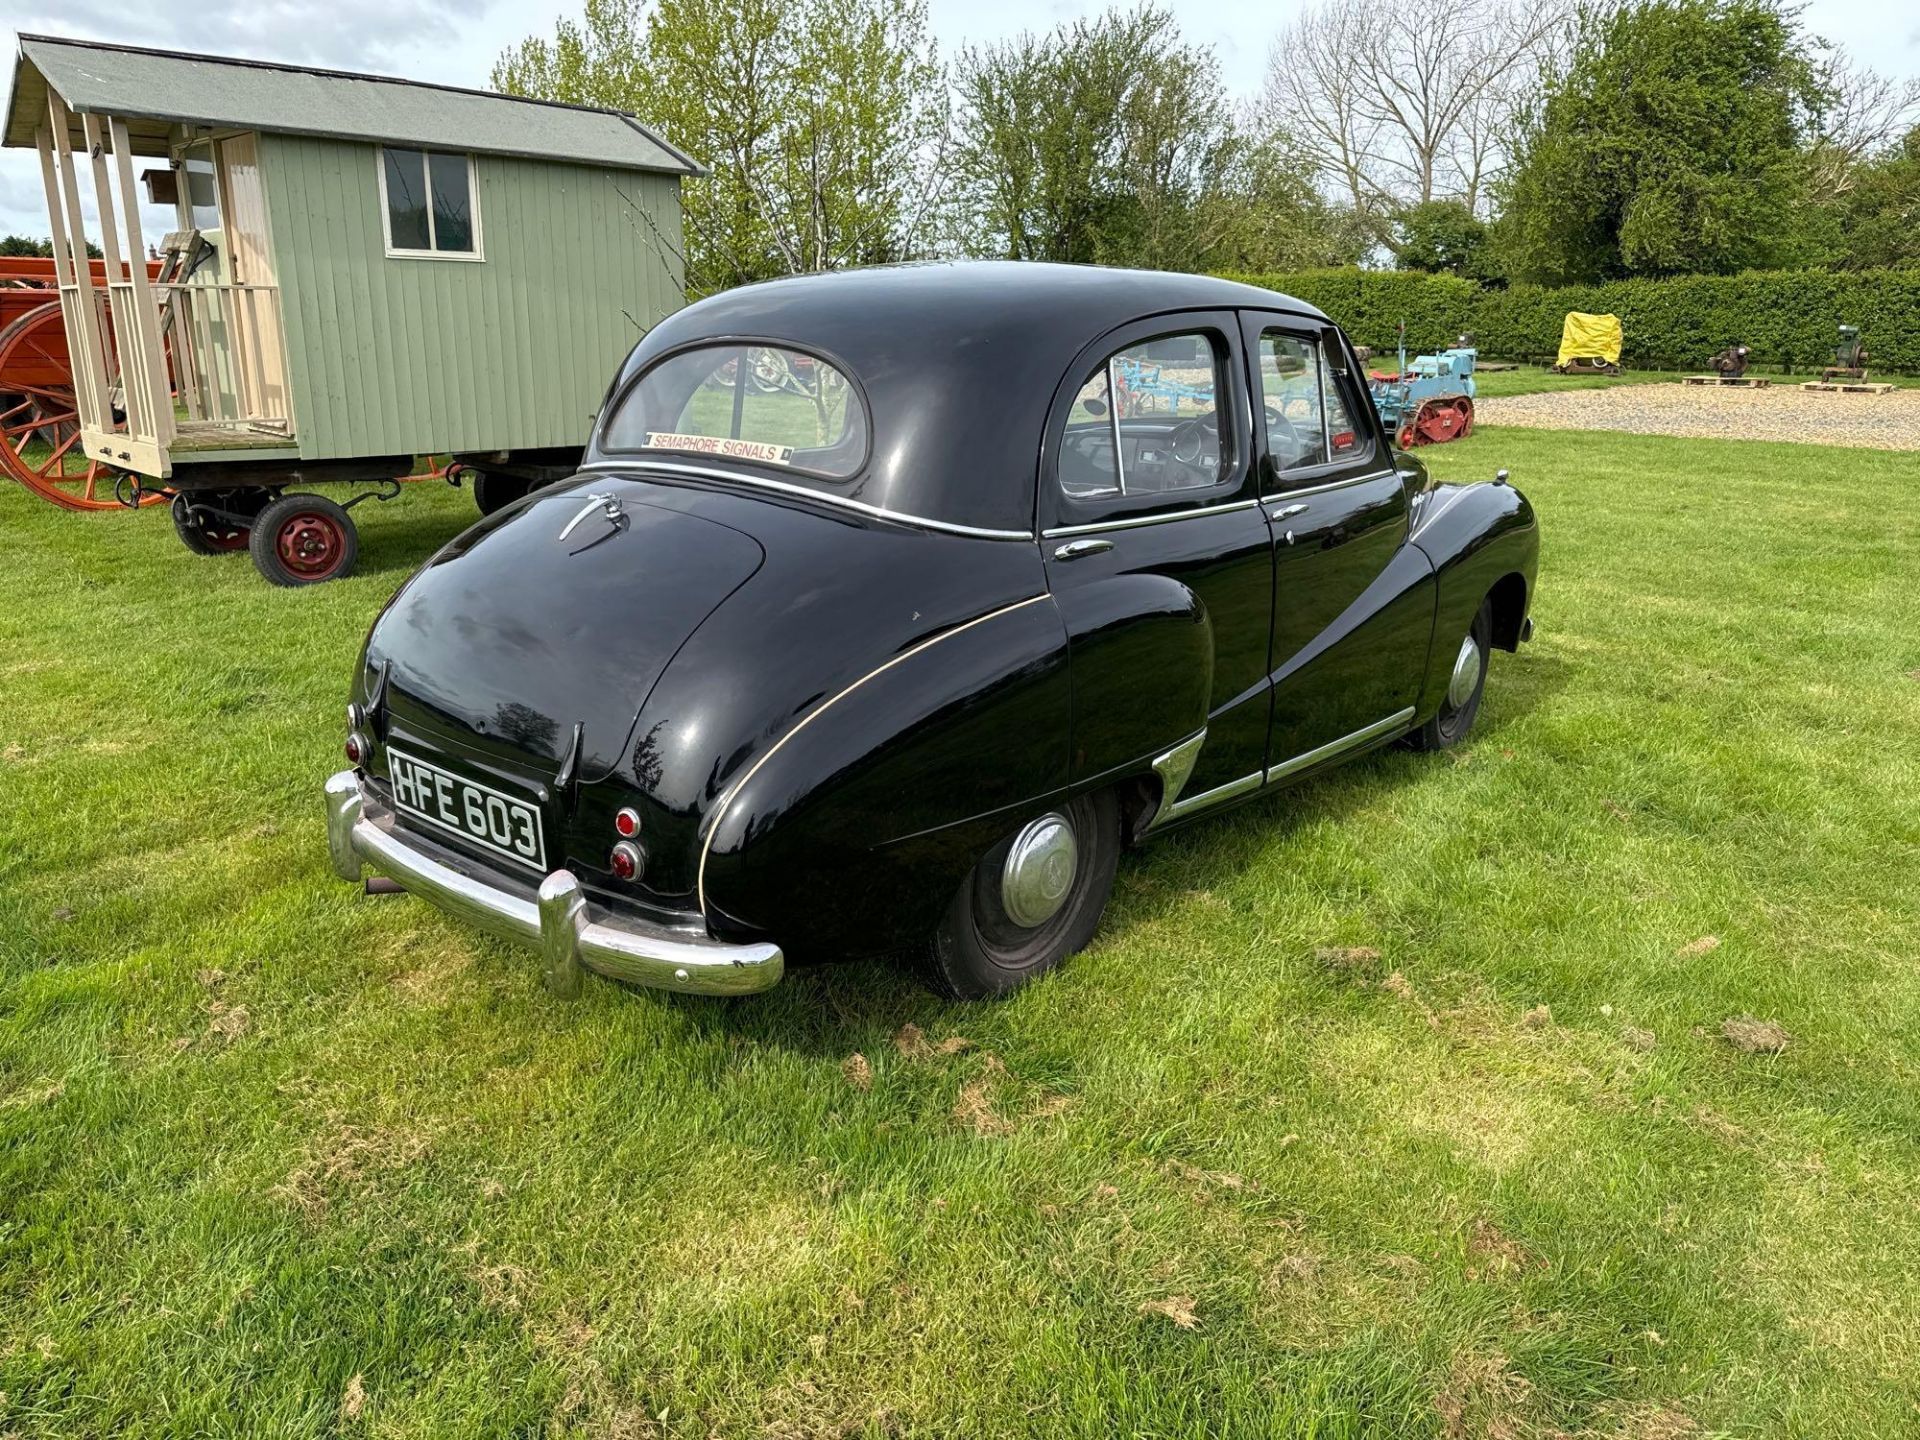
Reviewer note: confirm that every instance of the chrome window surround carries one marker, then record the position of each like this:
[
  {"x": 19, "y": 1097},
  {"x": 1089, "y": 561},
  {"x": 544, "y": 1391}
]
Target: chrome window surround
[
  {"x": 1323, "y": 371},
  {"x": 1260, "y": 779},
  {"x": 804, "y": 492},
  {"x": 1168, "y": 516}
]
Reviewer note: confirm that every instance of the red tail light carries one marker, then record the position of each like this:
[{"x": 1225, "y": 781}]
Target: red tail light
[
  {"x": 627, "y": 823},
  {"x": 625, "y": 861},
  {"x": 359, "y": 748}
]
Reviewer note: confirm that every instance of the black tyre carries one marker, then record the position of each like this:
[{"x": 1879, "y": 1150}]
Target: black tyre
[
  {"x": 205, "y": 535},
  {"x": 496, "y": 492},
  {"x": 1467, "y": 680},
  {"x": 1012, "y": 920},
  {"x": 303, "y": 540}
]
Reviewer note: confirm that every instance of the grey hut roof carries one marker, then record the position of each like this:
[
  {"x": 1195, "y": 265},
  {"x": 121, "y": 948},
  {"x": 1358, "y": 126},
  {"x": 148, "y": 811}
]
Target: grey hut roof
[{"x": 154, "y": 90}]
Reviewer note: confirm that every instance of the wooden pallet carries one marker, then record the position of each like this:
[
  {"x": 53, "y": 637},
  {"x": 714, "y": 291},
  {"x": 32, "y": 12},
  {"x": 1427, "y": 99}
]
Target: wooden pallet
[
  {"x": 1848, "y": 387},
  {"x": 1743, "y": 382}
]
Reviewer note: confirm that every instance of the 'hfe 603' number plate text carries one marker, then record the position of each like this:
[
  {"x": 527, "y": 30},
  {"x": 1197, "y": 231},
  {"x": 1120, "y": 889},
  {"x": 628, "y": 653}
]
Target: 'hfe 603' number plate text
[{"x": 482, "y": 814}]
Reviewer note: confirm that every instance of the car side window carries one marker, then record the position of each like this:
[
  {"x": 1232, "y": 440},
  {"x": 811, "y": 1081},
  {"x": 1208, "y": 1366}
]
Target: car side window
[
  {"x": 1309, "y": 406},
  {"x": 1147, "y": 421},
  {"x": 1290, "y": 396}
]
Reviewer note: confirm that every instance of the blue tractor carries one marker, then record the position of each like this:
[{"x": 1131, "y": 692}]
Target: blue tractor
[{"x": 1430, "y": 401}]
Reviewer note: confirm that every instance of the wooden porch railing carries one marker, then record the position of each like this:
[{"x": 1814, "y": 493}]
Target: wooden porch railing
[{"x": 229, "y": 357}]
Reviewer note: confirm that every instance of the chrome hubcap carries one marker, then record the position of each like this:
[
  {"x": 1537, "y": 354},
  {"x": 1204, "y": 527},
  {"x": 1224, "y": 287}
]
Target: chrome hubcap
[
  {"x": 1466, "y": 673},
  {"x": 1039, "y": 871}
]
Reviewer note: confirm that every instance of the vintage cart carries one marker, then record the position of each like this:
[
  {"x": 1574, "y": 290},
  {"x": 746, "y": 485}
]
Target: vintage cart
[{"x": 361, "y": 271}]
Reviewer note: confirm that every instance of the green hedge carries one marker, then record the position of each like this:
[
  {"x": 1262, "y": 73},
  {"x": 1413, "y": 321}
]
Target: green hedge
[{"x": 1787, "y": 318}]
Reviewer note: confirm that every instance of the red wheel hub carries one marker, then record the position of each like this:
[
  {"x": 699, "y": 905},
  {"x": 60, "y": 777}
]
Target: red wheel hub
[
  {"x": 310, "y": 544},
  {"x": 220, "y": 539}
]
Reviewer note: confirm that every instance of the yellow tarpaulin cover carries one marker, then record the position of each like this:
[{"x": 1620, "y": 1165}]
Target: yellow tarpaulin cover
[{"x": 1586, "y": 337}]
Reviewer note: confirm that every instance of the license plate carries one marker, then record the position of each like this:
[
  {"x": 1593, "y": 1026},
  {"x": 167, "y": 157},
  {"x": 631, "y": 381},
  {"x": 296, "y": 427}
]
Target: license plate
[{"x": 479, "y": 813}]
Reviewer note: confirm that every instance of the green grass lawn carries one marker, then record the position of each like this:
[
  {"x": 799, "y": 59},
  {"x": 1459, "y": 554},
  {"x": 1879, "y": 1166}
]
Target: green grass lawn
[{"x": 1394, "y": 1105}]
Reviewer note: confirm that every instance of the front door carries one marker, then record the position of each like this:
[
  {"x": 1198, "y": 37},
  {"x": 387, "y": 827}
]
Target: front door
[
  {"x": 1157, "y": 552},
  {"x": 1353, "y": 602}
]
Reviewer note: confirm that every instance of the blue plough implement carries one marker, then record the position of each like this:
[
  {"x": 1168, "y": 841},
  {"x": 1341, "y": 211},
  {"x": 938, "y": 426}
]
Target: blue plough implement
[{"x": 1142, "y": 382}]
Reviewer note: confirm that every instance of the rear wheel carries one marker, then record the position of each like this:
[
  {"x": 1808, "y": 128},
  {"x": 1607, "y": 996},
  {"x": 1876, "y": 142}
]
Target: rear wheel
[
  {"x": 1034, "y": 899},
  {"x": 1465, "y": 683},
  {"x": 205, "y": 532},
  {"x": 303, "y": 540}
]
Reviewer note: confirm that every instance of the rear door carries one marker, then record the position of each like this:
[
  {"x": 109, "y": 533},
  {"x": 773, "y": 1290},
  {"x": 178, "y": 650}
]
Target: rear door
[
  {"x": 1149, "y": 504},
  {"x": 1353, "y": 605}
]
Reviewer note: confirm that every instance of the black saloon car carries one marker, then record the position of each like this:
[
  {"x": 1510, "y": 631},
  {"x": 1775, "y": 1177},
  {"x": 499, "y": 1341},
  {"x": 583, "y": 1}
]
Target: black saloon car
[{"x": 889, "y": 606}]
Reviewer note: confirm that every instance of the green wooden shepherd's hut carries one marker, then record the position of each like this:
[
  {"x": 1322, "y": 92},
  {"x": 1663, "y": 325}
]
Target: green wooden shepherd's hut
[{"x": 363, "y": 270}]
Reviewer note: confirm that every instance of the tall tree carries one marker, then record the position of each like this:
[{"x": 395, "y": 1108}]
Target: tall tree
[
  {"x": 1440, "y": 235},
  {"x": 1862, "y": 115},
  {"x": 1674, "y": 140},
  {"x": 1879, "y": 217},
  {"x": 1403, "y": 102},
  {"x": 1112, "y": 141},
  {"x": 821, "y": 121}
]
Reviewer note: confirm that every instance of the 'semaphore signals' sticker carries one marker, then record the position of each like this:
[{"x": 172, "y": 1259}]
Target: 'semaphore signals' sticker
[{"x": 720, "y": 445}]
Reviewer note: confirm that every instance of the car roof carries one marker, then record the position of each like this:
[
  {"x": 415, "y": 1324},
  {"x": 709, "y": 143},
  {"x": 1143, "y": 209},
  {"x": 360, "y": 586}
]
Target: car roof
[{"x": 959, "y": 361}]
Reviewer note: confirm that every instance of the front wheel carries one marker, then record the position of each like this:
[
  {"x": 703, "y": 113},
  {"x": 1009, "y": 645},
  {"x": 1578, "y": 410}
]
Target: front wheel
[
  {"x": 303, "y": 540},
  {"x": 1465, "y": 683},
  {"x": 1034, "y": 899}
]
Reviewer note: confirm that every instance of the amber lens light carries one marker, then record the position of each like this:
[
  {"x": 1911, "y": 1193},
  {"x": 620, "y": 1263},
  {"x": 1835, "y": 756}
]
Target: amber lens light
[
  {"x": 625, "y": 861},
  {"x": 627, "y": 823}
]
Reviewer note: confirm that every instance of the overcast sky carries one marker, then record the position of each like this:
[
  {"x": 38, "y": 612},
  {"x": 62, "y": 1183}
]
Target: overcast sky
[{"x": 456, "y": 41}]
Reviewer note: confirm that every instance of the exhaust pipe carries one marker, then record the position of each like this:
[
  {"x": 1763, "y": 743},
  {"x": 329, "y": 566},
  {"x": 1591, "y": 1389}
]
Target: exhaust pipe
[{"x": 381, "y": 885}]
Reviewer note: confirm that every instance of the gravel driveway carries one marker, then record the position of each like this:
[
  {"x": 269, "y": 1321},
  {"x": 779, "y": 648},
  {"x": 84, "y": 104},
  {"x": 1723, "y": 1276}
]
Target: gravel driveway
[{"x": 1782, "y": 412}]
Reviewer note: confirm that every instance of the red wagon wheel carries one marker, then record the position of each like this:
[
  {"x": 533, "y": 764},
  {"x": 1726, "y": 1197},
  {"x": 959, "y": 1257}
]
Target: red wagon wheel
[{"x": 40, "y": 421}]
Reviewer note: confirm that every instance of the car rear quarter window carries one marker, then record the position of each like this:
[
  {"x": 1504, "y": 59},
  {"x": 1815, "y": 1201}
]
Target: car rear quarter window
[{"x": 768, "y": 405}]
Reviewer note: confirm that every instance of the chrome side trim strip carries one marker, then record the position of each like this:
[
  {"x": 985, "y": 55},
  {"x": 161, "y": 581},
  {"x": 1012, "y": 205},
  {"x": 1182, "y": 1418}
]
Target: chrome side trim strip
[
  {"x": 726, "y": 800},
  {"x": 1368, "y": 479},
  {"x": 1137, "y": 521},
  {"x": 804, "y": 492},
  {"x": 1259, "y": 780},
  {"x": 1175, "y": 768},
  {"x": 1336, "y": 747},
  {"x": 1207, "y": 799}
]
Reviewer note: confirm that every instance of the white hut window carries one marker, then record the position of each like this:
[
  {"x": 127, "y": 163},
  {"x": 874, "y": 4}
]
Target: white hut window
[{"x": 429, "y": 200}]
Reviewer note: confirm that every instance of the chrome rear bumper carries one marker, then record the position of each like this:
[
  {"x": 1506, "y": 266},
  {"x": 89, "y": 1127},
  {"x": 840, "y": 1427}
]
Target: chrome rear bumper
[{"x": 558, "y": 920}]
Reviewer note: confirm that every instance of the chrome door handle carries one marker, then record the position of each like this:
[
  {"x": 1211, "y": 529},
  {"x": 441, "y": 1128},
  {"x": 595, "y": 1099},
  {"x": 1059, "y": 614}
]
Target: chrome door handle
[
  {"x": 1074, "y": 549},
  {"x": 1286, "y": 512}
]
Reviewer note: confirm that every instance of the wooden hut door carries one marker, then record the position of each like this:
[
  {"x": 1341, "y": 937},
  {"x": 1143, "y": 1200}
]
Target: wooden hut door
[{"x": 260, "y": 356}]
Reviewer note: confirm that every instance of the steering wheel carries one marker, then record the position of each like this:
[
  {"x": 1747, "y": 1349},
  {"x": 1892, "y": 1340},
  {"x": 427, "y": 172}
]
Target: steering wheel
[
  {"x": 1189, "y": 443},
  {"x": 1278, "y": 422}
]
